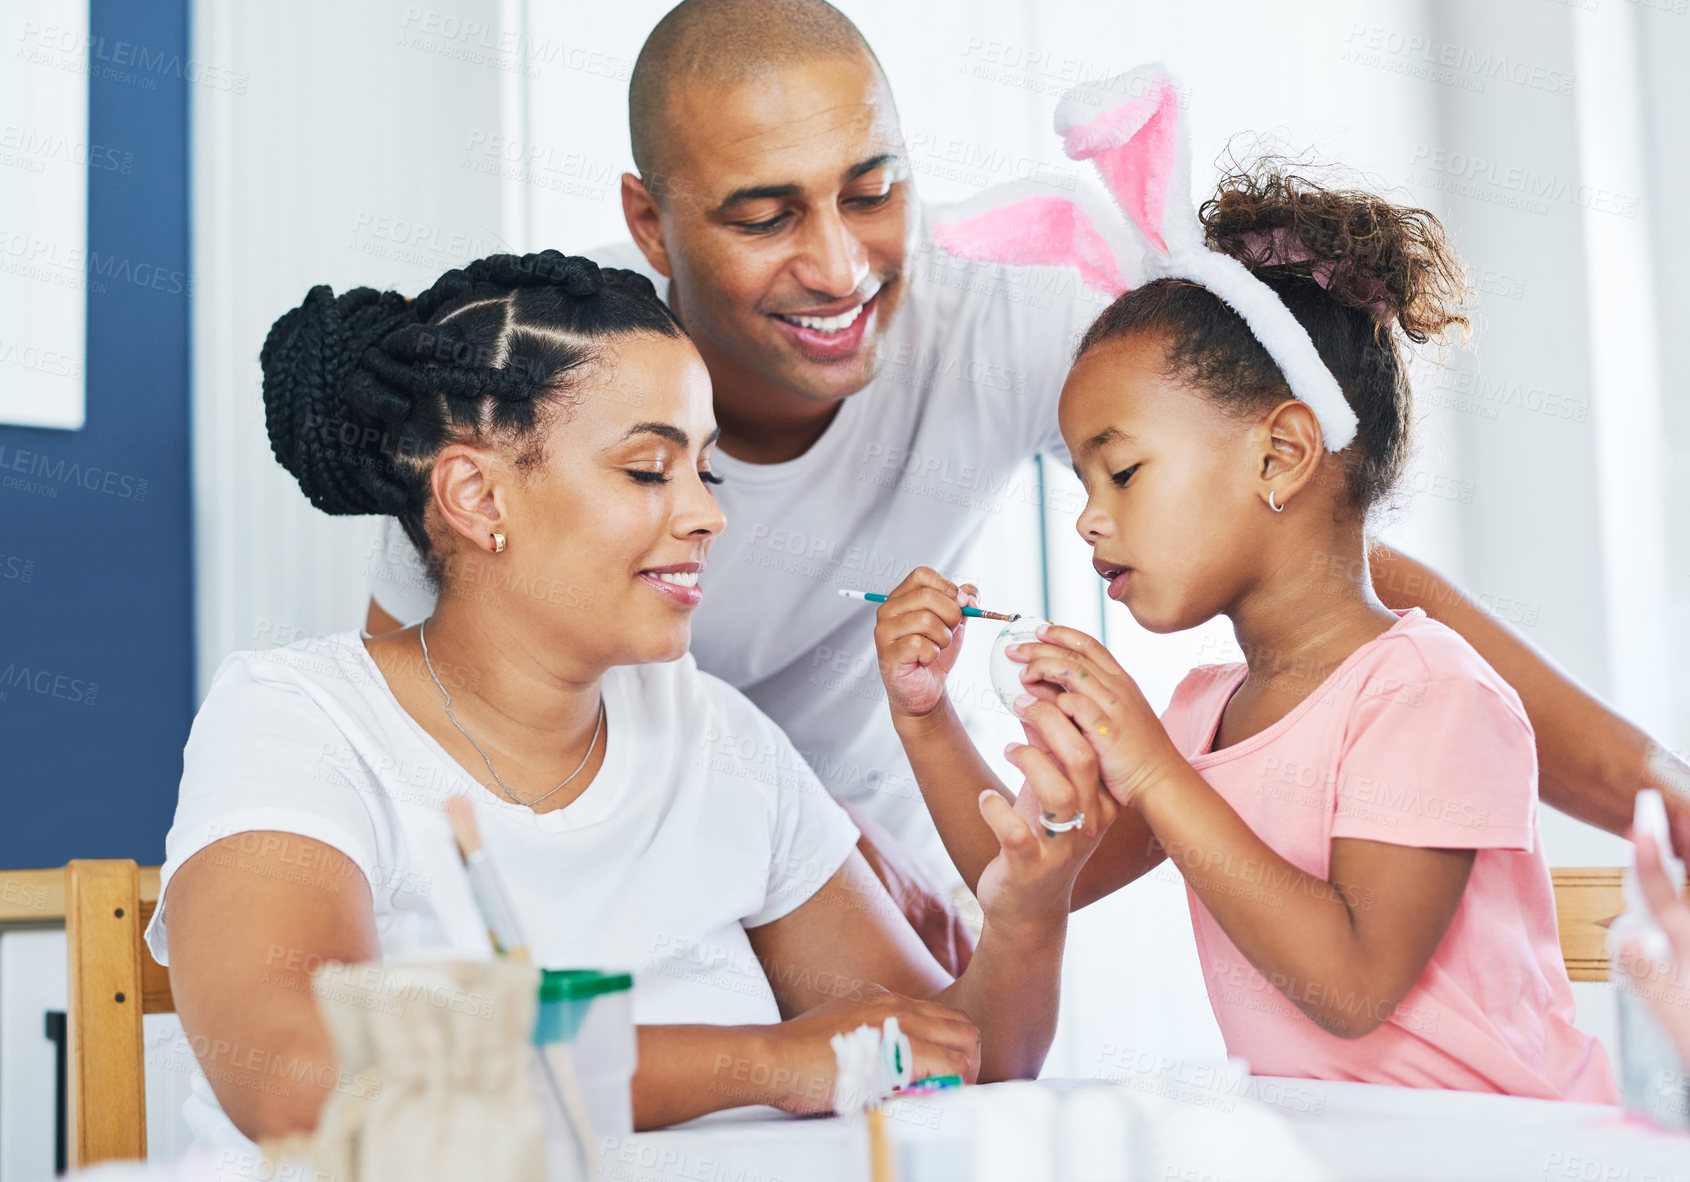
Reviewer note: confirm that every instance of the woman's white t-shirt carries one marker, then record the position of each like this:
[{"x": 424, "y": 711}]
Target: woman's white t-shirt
[{"x": 702, "y": 822}]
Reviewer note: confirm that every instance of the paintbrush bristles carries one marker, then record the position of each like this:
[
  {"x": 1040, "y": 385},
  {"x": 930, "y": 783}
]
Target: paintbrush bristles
[{"x": 460, "y": 814}]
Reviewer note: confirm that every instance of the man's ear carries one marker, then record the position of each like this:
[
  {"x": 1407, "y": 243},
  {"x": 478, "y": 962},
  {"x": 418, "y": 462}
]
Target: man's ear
[
  {"x": 1292, "y": 451},
  {"x": 645, "y": 223},
  {"x": 468, "y": 485}
]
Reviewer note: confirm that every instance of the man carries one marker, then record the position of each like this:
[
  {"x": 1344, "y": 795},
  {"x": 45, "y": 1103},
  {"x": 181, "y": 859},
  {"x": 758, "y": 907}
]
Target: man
[{"x": 774, "y": 206}]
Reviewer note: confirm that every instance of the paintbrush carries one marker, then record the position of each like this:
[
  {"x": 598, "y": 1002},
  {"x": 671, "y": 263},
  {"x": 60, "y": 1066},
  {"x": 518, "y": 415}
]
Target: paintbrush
[
  {"x": 979, "y": 612},
  {"x": 484, "y": 882}
]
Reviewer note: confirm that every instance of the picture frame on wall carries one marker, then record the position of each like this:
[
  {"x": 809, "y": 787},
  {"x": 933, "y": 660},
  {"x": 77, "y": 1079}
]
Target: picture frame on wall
[{"x": 45, "y": 268}]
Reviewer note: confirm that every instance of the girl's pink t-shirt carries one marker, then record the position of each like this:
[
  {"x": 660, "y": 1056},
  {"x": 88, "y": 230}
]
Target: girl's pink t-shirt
[{"x": 1416, "y": 741}]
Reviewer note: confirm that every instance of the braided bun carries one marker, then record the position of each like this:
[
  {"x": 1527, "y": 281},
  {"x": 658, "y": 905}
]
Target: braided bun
[
  {"x": 362, "y": 390},
  {"x": 322, "y": 423}
]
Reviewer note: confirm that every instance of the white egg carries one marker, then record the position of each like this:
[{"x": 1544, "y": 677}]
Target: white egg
[{"x": 1006, "y": 674}]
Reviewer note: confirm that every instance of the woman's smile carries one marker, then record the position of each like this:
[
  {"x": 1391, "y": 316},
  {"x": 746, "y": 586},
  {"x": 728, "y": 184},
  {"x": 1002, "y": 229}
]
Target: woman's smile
[{"x": 678, "y": 581}]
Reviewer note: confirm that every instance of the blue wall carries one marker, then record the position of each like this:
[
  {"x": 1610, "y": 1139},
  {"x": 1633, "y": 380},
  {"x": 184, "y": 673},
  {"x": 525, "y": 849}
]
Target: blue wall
[{"x": 96, "y": 581}]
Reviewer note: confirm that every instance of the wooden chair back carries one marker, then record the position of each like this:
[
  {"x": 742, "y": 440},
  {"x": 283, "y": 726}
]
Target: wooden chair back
[
  {"x": 112, "y": 980},
  {"x": 1587, "y": 899}
]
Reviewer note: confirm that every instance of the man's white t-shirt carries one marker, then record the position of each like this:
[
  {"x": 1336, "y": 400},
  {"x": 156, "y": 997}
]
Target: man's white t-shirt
[
  {"x": 702, "y": 822},
  {"x": 907, "y": 474}
]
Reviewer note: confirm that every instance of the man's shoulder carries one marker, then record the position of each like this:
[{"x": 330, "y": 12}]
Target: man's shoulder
[{"x": 993, "y": 341}]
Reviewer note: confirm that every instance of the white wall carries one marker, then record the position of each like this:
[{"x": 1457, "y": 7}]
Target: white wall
[
  {"x": 347, "y": 161},
  {"x": 32, "y": 982},
  {"x": 1663, "y": 44},
  {"x": 44, "y": 216}
]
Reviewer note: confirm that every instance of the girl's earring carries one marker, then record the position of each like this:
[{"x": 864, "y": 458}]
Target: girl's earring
[
  {"x": 1271, "y": 505},
  {"x": 498, "y": 543}
]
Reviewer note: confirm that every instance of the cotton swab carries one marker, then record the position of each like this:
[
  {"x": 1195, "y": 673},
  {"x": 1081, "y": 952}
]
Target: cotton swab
[
  {"x": 865, "y": 1070},
  {"x": 968, "y": 610},
  {"x": 881, "y": 1166}
]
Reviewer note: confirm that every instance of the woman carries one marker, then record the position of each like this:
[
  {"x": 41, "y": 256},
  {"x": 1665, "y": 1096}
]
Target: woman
[{"x": 542, "y": 430}]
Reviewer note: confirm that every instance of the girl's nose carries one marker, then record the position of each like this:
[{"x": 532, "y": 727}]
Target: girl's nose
[{"x": 1093, "y": 524}]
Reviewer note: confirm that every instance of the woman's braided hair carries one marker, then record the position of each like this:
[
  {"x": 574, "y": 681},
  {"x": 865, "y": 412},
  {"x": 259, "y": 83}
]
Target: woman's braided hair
[{"x": 362, "y": 390}]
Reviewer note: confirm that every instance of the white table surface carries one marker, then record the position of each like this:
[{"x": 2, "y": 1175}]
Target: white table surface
[
  {"x": 1187, "y": 1127},
  {"x": 1266, "y": 1128},
  {"x": 1368, "y": 1132}
]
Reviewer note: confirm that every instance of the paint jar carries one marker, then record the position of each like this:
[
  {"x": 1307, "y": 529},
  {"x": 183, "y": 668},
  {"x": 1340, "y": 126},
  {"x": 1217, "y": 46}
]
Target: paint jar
[{"x": 584, "y": 1029}]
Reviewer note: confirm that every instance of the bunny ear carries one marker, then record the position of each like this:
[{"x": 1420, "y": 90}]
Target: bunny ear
[
  {"x": 1030, "y": 227},
  {"x": 1130, "y": 127}
]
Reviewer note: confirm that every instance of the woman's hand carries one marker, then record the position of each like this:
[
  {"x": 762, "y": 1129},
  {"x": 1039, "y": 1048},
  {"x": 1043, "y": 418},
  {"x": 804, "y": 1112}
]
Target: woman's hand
[
  {"x": 1076, "y": 687},
  {"x": 918, "y": 634},
  {"x": 1031, "y": 881},
  {"x": 943, "y": 1041}
]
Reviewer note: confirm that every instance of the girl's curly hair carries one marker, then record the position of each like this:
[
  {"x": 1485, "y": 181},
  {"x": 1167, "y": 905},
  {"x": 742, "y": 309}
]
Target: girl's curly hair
[{"x": 1355, "y": 270}]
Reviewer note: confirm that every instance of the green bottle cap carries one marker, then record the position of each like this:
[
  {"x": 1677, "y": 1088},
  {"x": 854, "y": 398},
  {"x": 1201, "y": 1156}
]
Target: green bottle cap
[{"x": 580, "y": 984}]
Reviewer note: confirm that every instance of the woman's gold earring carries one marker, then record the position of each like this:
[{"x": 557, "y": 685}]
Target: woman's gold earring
[
  {"x": 1271, "y": 505},
  {"x": 498, "y": 543}
]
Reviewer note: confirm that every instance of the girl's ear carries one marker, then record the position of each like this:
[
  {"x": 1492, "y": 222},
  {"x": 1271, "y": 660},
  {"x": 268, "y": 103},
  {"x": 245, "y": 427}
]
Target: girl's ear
[
  {"x": 1029, "y": 227},
  {"x": 469, "y": 493},
  {"x": 1291, "y": 453}
]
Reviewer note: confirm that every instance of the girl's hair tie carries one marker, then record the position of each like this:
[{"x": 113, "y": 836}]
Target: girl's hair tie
[{"x": 1281, "y": 247}]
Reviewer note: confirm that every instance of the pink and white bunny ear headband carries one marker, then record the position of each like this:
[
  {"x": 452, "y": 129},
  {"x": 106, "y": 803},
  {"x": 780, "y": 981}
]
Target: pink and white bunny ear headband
[{"x": 1131, "y": 128}]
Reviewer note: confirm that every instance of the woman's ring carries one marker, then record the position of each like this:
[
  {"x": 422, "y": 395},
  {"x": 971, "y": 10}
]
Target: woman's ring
[{"x": 1053, "y": 826}]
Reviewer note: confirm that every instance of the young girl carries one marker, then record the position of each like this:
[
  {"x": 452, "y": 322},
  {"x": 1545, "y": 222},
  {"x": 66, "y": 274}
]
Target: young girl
[{"x": 1354, "y": 805}]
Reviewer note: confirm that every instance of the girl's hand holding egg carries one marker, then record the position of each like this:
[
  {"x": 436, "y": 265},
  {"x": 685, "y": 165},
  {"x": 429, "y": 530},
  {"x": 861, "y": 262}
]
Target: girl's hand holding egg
[
  {"x": 1073, "y": 684},
  {"x": 918, "y": 634}
]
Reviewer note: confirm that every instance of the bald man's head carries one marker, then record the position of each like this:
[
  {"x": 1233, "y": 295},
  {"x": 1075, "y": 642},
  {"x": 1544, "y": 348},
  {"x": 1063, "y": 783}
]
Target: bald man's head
[
  {"x": 774, "y": 194},
  {"x": 725, "y": 42}
]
